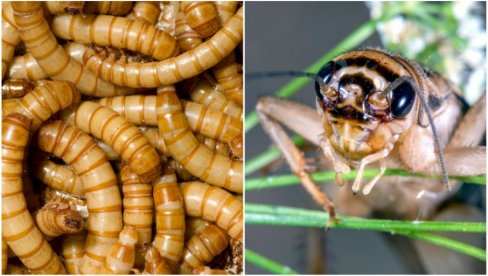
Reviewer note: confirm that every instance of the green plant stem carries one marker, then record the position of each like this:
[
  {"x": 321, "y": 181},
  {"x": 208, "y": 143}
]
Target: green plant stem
[
  {"x": 281, "y": 215},
  {"x": 287, "y": 216},
  {"x": 289, "y": 179},
  {"x": 267, "y": 264},
  {"x": 351, "y": 41}
]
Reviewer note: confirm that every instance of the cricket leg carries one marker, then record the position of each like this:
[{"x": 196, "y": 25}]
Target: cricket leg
[
  {"x": 461, "y": 162},
  {"x": 294, "y": 158},
  {"x": 472, "y": 128}
]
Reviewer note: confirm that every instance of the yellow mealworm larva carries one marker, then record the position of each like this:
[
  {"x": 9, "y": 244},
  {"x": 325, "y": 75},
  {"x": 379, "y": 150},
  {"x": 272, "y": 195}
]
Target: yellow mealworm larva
[
  {"x": 180, "y": 171},
  {"x": 184, "y": 147},
  {"x": 229, "y": 76},
  {"x": 117, "y": 8},
  {"x": 185, "y": 35},
  {"x": 18, "y": 228},
  {"x": 170, "y": 217},
  {"x": 58, "y": 7},
  {"x": 155, "y": 264},
  {"x": 213, "y": 204},
  {"x": 10, "y": 36},
  {"x": 225, "y": 10},
  {"x": 73, "y": 249},
  {"x": 16, "y": 88},
  {"x": 4, "y": 256},
  {"x": 124, "y": 137},
  {"x": 118, "y": 32},
  {"x": 138, "y": 204},
  {"x": 145, "y": 11},
  {"x": 26, "y": 66},
  {"x": 51, "y": 195},
  {"x": 45, "y": 100},
  {"x": 57, "y": 218},
  {"x": 214, "y": 145},
  {"x": 194, "y": 225},
  {"x": 52, "y": 58},
  {"x": 121, "y": 257},
  {"x": 184, "y": 66},
  {"x": 203, "y": 247},
  {"x": 201, "y": 16},
  {"x": 103, "y": 199},
  {"x": 58, "y": 177},
  {"x": 203, "y": 93},
  {"x": 141, "y": 110}
]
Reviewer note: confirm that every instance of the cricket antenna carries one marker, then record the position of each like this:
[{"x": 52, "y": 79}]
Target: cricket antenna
[
  {"x": 425, "y": 106},
  {"x": 275, "y": 74}
]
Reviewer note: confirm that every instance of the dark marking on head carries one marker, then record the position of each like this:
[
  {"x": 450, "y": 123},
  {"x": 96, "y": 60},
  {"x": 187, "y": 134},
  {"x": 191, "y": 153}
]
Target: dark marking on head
[
  {"x": 434, "y": 102},
  {"x": 371, "y": 64},
  {"x": 349, "y": 113},
  {"x": 360, "y": 80}
]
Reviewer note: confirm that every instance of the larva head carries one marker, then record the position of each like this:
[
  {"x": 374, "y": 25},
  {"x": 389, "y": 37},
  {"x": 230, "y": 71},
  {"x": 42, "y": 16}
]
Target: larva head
[
  {"x": 128, "y": 236},
  {"x": 362, "y": 107}
]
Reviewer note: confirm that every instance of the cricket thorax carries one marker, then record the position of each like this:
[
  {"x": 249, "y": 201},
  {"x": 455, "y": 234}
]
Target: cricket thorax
[{"x": 362, "y": 113}]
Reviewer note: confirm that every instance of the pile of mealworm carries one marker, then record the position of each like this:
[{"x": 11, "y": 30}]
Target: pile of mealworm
[{"x": 122, "y": 137}]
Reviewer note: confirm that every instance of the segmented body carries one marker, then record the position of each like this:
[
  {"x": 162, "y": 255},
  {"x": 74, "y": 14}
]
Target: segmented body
[
  {"x": 117, "y": 8},
  {"x": 155, "y": 264},
  {"x": 100, "y": 184},
  {"x": 10, "y": 36},
  {"x": 229, "y": 76},
  {"x": 45, "y": 100},
  {"x": 58, "y": 7},
  {"x": 201, "y": 16},
  {"x": 122, "y": 136},
  {"x": 170, "y": 218},
  {"x": 214, "y": 204},
  {"x": 16, "y": 88},
  {"x": 167, "y": 17},
  {"x": 185, "y": 35},
  {"x": 145, "y": 11},
  {"x": 203, "y": 247},
  {"x": 118, "y": 32},
  {"x": 73, "y": 249},
  {"x": 225, "y": 10},
  {"x": 185, "y": 148},
  {"x": 58, "y": 177},
  {"x": 18, "y": 228},
  {"x": 57, "y": 218},
  {"x": 184, "y": 66},
  {"x": 26, "y": 66},
  {"x": 121, "y": 257},
  {"x": 52, "y": 58}
]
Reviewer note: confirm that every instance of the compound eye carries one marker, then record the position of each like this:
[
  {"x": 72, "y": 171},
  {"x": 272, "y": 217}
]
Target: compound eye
[
  {"x": 325, "y": 73},
  {"x": 402, "y": 99},
  {"x": 377, "y": 104}
]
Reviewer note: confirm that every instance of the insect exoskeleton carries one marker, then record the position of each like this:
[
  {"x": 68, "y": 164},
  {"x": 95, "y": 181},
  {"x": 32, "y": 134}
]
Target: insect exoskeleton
[
  {"x": 100, "y": 184},
  {"x": 58, "y": 7},
  {"x": 16, "y": 88},
  {"x": 145, "y": 11},
  {"x": 201, "y": 16},
  {"x": 185, "y": 35},
  {"x": 214, "y": 204},
  {"x": 155, "y": 264},
  {"x": 225, "y": 10},
  {"x": 121, "y": 257},
  {"x": 368, "y": 102},
  {"x": 10, "y": 36},
  {"x": 57, "y": 218},
  {"x": 118, "y": 8},
  {"x": 18, "y": 228},
  {"x": 203, "y": 247},
  {"x": 73, "y": 249}
]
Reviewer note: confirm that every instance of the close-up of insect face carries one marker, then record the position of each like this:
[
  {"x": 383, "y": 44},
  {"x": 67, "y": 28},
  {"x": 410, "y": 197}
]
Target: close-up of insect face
[{"x": 379, "y": 122}]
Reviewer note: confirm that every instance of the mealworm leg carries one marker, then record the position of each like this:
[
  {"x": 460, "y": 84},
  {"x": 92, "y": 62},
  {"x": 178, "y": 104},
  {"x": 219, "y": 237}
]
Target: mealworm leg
[{"x": 292, "y": 154}]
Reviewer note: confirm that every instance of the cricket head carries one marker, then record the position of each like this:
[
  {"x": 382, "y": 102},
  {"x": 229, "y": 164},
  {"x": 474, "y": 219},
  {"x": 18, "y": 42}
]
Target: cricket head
[{"x": 363, "y": 105}]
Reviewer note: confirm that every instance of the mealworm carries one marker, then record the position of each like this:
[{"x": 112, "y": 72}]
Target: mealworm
[
  {"x": 167, "y": 17},
  {"x": 184, "y": 66},
  {"x": 194, "y": 225},
  {"x": 141, "y": 110},
  {"x": 51, "y": 195},
  {"x": 213, "y": 204},
  {"x": 180, "y": 171},
  {"x": 58, "y": 7},
  {"x": 58, "y": 177},
  {"x": 10, "y": 36},
  {"x": 203, "y": 93},
  {"x": 205, "y": 270},
  {"x": 229, "y": 76},
  {"x": 4, "y": 256},
  {"x": 18, "y": 228},
  {"x": 100, "y": 184},
  {"x": 201, "y": 16},
  {"x": 52, "y": 58},
  {"x": 185, "y": 35},
  {"x": 26, "y": 66},
  {"x": 121, "y": 256},
  {"x": 170, "y": 217},
  {"x": 138, "y": 204},
  {"x": 73, "y": 249},
  {"x": 45, "y": 100},
  {"x": 225, "y": 10},
  {"x": 155, "y": 264},
  {"x": 124, "y": 137},
  {"x": 57, "y": 218},
  {"x": 118, "y": 32},
  {"x": 16, "y": 88},
  {"x": 145, "y": 11},
  {"x": 185, "y": 148},
  {"x": 214, "y": 145},
  {"x": 118, "y": 8},
  {"x": 203, "y": 247}
]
